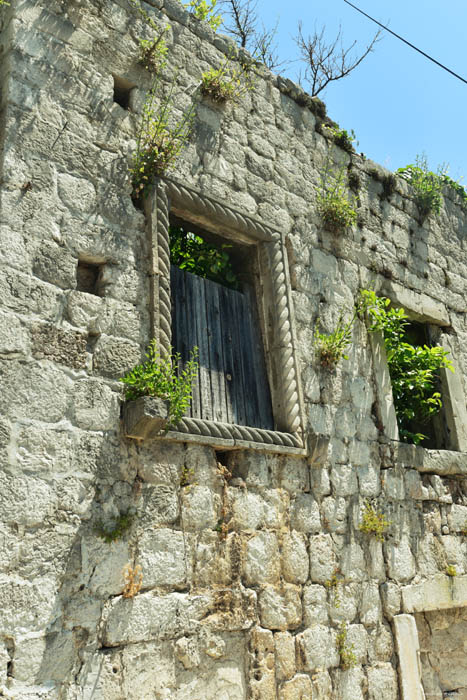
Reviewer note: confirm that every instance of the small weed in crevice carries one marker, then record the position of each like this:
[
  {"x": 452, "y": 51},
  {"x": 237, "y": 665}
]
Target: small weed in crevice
[
  {"x": 133, "y": 580},
  {"x": 451, "y": 570},
  {"x": 122, "y": 525},
  {"x": 346, "y": 650},
  {"x": 335, "y": 204},
  {"x": 332, "y": 585},
  {"x": 330, "y": 347},
  {"x": 389, "y": 185},
  {"x": 187, "y": 476},
  {"x": 374, "y": 522}
]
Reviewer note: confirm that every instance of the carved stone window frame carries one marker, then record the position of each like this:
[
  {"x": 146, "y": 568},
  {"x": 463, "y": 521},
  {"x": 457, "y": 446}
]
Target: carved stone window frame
[
  {"x": 421, "y": 308},
  {"x": 287, "y": 403}
]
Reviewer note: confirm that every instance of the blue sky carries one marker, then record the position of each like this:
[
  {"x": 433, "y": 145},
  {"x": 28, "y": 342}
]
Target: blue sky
[{"x": 398, "y": 103}]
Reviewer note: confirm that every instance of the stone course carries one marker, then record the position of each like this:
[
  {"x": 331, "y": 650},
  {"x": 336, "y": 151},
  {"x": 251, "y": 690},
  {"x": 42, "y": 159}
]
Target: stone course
[{"x": 246, "y": 580}]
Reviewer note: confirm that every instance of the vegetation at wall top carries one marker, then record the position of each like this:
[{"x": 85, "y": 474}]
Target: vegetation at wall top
[
  {"x": 428, "y": 185},
  {"x": 414, "y": 369},
  {"x": 335, "y": 203}
]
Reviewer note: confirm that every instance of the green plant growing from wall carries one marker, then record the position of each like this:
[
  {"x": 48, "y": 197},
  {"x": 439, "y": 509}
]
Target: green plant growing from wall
[
  {"x": 341, "y": 137},
  {"x": 205, "y": 11},
  {"x": 346, "y": 650},
  {"x": 161, "y": 138},
  {"x": 414, "y": 369},
  {"x": 451, "y": 570},
  {"x": 427, "y": 185},
  {"x": 330, "y": 347},
  {"x": 191, "y": 252},
  {"x": 161, "y": 376},
  {"x": 116, "y": 532},
  {"x": 333, "y": 585},
  {"x": 373, "y": 522},
  {"x": 153, "y": 52},
  {"x": 335, "y": 204},
  {"x": 228, "y": 82}
]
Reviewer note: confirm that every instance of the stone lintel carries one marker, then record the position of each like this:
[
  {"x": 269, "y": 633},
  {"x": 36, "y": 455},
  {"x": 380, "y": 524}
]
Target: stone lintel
[
  {"x": 441, "y": 462},
  {"x": 438, "y": 593}
]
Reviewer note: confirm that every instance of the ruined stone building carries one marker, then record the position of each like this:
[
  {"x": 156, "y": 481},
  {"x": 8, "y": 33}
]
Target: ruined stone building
[{"x": 229, "y": 557}]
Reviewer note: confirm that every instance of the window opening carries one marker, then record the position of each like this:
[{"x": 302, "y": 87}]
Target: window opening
[
  {"x": 88, "y": 276},
  {"x": 122, "y": 91},
  {"x": 214, "y": 308}
]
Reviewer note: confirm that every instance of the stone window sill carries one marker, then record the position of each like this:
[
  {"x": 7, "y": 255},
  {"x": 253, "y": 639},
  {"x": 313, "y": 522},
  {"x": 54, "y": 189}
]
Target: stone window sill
[
  {"x": 441, "y": 462},
  {"x": 146, "y": 418}
]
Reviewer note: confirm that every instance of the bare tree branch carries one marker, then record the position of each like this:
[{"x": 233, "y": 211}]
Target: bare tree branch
[
  {"x": 241, "y": 21},
  {"x": 326, "y": 61}
]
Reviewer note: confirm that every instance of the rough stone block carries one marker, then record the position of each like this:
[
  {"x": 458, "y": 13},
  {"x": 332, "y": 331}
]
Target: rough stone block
[
  {"x": 315, "y": 605},
  {"x": 317, "y": 648},
  {"x": 382, "y": 682},
  {"x": 281, "y": 607},
  {"x": 150, "y": 617},
  {"x": 199, "y": 508},
  {"x": 14, "y": 338},
  {"x": 96, "y": 406},
  {"x": 113, "y": 357},
  {"x": 165, "y": 558},
  {"x": 370, "y": 612},
  {"x": 57, "y": 345},
  {"x": 262, "y": 561},
  {"x": 295, "y": 560},
  {"x": 34, "y": 392},
  {"x": 304, "y": 514},
  {"x": 299, "y": 688},
  {"x": 344, "y": 480},
  {"x": 323, "y": 561},
  {"x": 335, "y": 514},
  {"x": 284, "y": 644},
  {"x": 56, "y": 265},
  {"x": 401, "y": 563},
  {"x": 145, "y": 417},
  {"x": 247, "y": 509}
]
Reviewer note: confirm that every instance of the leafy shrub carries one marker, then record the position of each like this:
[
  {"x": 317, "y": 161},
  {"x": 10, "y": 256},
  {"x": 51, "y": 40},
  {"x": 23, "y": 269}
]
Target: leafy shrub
[
  {"x": 153, "y": 52},
  {"x": 160, "y": 376},
  {"x": 205, "y": 10},
  {"x": 227, "y": 82},
  {"x": 426, "y": 184},
  {"x": 161, "y": 139},
  {"x": 335, "y": 204},
  {"x": 331, "y": 347},
  {"x": 373, "y": 522},
  {"x": 414, "y": 369},
  {"x": 191, "y": 252}
]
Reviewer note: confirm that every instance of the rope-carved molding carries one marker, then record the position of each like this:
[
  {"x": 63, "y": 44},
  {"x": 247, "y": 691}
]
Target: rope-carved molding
[{"x": 287, "y": 403}]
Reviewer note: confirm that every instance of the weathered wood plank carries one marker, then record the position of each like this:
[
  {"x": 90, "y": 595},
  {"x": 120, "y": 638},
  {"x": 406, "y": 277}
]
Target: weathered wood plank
[
  {"x": 264, "y": 418},
  {"x": 196, "y": 286},
  {"x": 216, "y": 355},
  {"x": 233, "y": 387},
  {"x": 240, "y": 408}
]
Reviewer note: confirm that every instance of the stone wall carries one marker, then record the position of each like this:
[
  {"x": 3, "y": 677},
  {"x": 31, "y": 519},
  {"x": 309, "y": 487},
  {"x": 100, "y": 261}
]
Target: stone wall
[{"x": 251, "y": 560}]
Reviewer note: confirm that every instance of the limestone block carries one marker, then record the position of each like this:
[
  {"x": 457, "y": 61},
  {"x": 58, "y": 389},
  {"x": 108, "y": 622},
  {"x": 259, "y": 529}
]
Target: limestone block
[
  {"x": 149, "y": 617},
  {"x": 455, "y": 552},
  {"x": 34, "y": 391},
  {"x": 14, "y": 338},
  {"x": 380, "y": 644},
  {"x": 360, "y": 456},
  {"x": 103, "y": 565},
  {"x": 401, "y": 564},
  {"x": 437, "y": 593},
  {"x": 315, "y": 608},
  {"x": 217, "y": 560},
  {"x": 284, "y": 644},
  {"x": 322, "y": 685},
  {"x": 295, "y": 560},
  {"x": 299, "y": 688},
  {"x": 294, "y": 475},
  {"x": 280, "y": 608},
  {"x": 316, "y": 648},
  {"x": 320, "y": 481},
  {"x": 322, "y": 558},
  {"x": 235, "y": 609},
  {"x": 370, "y": 611},
  {"x": 344, "y": 480},
  {"x": 393, "y": 484},
  {"x": 55, "y": 264},
  {"x": 377, "y": 566},
  {"x": 201, "y": 461},
  {"x": 262, "y": 680},
  {"x": 409, "y": 657},
  {"x": 357, "y": 639},
  {"x": 247, "y": 509},
  {"x": 353, "y": 565},
  {"x": 146, "y": 417},
  {"x": 88, "y": 311},
  {"x": 113, "y": 357},
  {"x": 95, "y": 405},
  {"x": 43, "y": 452},
  {"x": 276, "y": 509},
  {"x": 304, "y": 514},
  {"x": 187, "y": 652},
  {"x": 253, "y": 467},
  {"x": 165, "y": 558},
  {"x": 262, "y": 561},
  {"x": 25, "y": 606},
  {"x": 414, "y": 485},
  {"x": 47, "y": 661},
  {"x": 334, "y": 514},
  {"x": 58, "y": 345},
  {"x": 25, "y": 500},
  {"x": 76, "y": 193},
  {"x": 350, "y": 684},
  {"x": 136, "y": 669},
  {"x": 369, "y": 480},
  {"x": 345, "y": 600},
  {"x": 457, "y": 518},
  {"x": 199, "y": 508},
  {"x": 161, "y": 463}
]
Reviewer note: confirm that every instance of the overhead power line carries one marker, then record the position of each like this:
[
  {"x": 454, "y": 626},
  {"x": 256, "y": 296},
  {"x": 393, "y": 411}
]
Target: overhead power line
[{"x": 407, "y": 42}]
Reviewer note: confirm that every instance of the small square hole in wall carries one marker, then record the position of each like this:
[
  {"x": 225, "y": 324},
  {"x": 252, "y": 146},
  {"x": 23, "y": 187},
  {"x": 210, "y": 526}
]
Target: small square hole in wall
[
  {"x": 122, "y": 91},
  {"x": 87, "y": 277}
]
